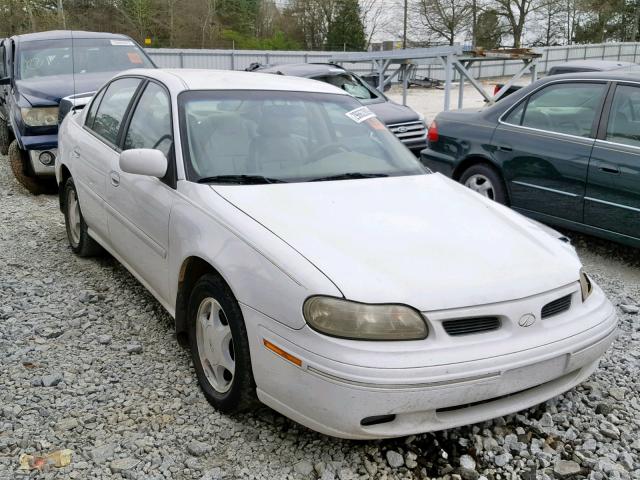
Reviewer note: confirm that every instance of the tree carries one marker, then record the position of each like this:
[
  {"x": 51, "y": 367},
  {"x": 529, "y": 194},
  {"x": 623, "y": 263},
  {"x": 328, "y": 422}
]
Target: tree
[
  {"x": 447, "y": 18},
  {"x": 489, "y": 30},
  {"x": 515, "y": 12},
  {"x": 346, "y": 29}
]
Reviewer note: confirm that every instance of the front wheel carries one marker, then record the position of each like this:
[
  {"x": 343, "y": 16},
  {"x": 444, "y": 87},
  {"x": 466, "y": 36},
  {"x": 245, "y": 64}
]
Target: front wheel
[
  {"x": 486, "y": 181},
  {"x": 220, "y": 347},
  {"x": 18, "y": 160},
  {"x": 79, "y": 240}
]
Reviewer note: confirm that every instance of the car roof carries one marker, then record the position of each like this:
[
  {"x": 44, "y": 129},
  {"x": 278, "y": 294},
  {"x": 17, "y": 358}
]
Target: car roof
[
  {"x": 64, "y": 34},
  {"x": 599, "y": 65},
  {"x": 622, "y": 74},
  {"x": 201, "y": 79},
  {"x": 303, "y": 69}
]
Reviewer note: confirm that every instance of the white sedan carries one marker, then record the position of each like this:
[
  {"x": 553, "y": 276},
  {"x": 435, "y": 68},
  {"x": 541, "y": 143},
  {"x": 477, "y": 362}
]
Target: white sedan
[{"x": 315, "y": 265}]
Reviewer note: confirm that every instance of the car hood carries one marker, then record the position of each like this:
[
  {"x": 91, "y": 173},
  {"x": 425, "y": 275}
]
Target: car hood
[
  {"x": 424, "y": 240},
  {"x": 49, "y": 90},
  {"x": 390, "y": 113}
]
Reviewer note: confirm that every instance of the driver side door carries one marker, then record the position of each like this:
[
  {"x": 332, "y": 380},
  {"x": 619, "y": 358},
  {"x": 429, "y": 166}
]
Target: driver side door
[
  {"x": 544, "y": 145},
  {"x": 139, "y": 206}
]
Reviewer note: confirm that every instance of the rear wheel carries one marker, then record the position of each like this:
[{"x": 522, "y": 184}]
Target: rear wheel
[
  {"x": 79, "y": 240},
  {"x": 19, "y": 162},
  {"x": 220, "y": 347},
  {"x": 5, "y": 137},
  {"x": 486, "y": 181}
]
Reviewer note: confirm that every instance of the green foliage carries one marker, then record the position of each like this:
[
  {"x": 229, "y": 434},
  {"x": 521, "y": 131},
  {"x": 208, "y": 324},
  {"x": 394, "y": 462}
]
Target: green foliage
[
  {"x": 278, "y": 41},
  {"x": 346, "y": 29},
  {"x": 488, "y": 30}
]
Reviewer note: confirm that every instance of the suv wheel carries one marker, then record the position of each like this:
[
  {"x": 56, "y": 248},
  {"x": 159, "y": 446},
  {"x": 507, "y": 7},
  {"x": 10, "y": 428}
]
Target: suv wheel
[
  {"x": 220, "y": 347},
  {"x": 19, "y": 162},
  {"x": 79, "y": 240},
  {"x": 5, "y": 137},
  {"x": 486, "y": 181}
]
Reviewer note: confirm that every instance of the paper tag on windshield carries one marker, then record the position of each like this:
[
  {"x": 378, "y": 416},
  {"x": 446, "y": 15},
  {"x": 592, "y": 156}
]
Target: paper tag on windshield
[
  {"x": 361, "y": 114},
  {"x": 122, "y": 43}
]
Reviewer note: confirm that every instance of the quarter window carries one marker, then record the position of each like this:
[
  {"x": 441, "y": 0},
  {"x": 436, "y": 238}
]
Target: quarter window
[
  {"x": 150, "y": 125},
  {"x": 113, "y": 107},
  {"x": 91, "y": 114},
  {"x": 624, "y": 118},
  {"x": 564, "y": 108}
]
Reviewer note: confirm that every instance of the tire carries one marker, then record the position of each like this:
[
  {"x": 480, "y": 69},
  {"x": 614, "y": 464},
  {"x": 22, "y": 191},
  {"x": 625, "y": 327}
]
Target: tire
[
  {"x": 229, "y": 392},
  {"x": 79, "y": 240},
  {"x": 18, "y": 160},
  {"x": 5, "y": 137},
  {"x": 486, "y": 181}
]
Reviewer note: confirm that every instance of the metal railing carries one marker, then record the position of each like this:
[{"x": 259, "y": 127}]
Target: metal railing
[{"x": 241, "y": 59}]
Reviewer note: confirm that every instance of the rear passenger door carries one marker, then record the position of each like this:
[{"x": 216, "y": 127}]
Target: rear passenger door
[
  {"x": 612, "y": 201},
  {"x": 544, "y": 145}
]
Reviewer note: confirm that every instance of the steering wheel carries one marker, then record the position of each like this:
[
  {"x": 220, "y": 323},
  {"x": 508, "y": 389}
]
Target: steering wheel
[
  {"x": 162, "y": 139},
  {"x": 326, "y": 150}
]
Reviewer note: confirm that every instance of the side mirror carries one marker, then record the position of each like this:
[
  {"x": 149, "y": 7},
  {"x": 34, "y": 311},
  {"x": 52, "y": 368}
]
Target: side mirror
[
  {"x": 5, "y": 81},
  {"x": 144, "y": 161}
]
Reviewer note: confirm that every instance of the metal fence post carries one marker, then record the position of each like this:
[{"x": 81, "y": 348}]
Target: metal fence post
[
  {"x": 619, "y": 51},
  {"x": 233, "y": 59},
  {"x": 635, "y": 53},
  {"x": 181, "y": 56}
]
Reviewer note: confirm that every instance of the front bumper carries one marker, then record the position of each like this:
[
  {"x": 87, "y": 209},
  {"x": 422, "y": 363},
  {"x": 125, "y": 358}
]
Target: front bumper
[
  {"x": 38, "y": 167},
  {"x": 333, "y": 396}
]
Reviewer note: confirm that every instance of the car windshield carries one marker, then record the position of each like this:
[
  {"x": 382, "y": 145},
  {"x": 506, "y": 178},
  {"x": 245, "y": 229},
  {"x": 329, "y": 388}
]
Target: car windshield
[
  {"x": 350, "y": 84},
  {"x": 270, "y": 137},
  {"x": 44, "y": 58}
]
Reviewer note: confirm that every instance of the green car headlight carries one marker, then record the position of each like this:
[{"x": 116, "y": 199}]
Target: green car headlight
[
  {"x": 40, "y": 116},
  {"x": 361, "y": 321}
]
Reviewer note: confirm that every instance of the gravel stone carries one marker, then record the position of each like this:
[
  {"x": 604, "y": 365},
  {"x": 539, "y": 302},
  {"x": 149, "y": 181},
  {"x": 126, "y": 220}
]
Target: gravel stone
[
  {"x": 395, "y": 459},
  {"x": 566, "y": 468},
  {"x": 68, "y": 323},
  {"x": 632, "y": 309},
  {"x": 467, "y": 461}
]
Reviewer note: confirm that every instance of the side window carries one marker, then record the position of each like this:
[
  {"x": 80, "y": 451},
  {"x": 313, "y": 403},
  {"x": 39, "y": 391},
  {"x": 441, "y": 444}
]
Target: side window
[
  {"x": 112, "y": 108},
  {"x": 624, "y": 119},
  {"x": 95, "y": 103},
  {"x": 564, "y": 108},
  {"x": 515, "y": 116},
  {"x": 150, "y": 125}
]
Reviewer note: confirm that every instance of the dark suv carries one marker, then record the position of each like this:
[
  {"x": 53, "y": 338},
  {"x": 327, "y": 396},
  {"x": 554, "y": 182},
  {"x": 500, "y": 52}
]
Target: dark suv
[
  {"x": 37, "y": 71},
  {"x": 403, "y": 121}
]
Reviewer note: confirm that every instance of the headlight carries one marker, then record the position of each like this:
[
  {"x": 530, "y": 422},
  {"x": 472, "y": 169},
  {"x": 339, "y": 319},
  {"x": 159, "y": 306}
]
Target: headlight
[
  {"x": 40, "y": 116},
  {"x": 585, "y": 285},
  {"x": 361, "y": 321}
]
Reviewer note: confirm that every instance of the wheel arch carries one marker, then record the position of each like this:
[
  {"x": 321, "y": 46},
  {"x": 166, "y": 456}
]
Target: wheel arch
[
  {"x": 65, "y": 174},
  {"x": 191, "y": 269},
  {"x": 481, "y": 160}
]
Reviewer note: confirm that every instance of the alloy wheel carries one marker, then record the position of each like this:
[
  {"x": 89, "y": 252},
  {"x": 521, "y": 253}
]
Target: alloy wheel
[{"x": 73, "y": 214}]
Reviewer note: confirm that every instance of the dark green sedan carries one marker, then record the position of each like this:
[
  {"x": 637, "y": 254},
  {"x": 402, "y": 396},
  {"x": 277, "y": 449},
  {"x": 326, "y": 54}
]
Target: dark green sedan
[{"x": 565, "y": 150}]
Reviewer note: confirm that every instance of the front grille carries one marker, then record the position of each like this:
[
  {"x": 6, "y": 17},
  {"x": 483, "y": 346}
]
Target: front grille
[
  {"x": 409, "y": 131},
  {"x": 467, "y": 326},
  {"x": 556, "y": 307}
]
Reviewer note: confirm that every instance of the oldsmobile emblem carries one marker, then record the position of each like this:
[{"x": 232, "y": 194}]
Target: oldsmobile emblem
[{"x": 527, "y": 320}]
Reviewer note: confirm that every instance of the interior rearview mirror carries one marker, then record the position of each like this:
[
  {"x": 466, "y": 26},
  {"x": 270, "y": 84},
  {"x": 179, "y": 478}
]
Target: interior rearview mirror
[
  {"x": 144, "y": 161},
  {"x": 5, "y": 81}
]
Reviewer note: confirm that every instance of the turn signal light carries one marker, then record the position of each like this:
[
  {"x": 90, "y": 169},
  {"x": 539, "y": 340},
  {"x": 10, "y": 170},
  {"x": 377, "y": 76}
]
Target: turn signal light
[
  {"x": 432, "y": 133},
  {"x": 278, "y": 351}
]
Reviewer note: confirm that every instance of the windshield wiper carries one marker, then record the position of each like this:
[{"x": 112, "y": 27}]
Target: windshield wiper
[
  {"x": 240, "y": 179},
  {"x": 349, "y": 176}
]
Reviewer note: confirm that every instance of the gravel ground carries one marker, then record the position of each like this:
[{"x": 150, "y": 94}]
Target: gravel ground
[{"x": 90, "y": 363}]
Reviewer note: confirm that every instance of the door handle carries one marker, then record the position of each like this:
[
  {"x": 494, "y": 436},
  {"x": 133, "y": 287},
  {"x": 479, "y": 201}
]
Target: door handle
[
  {"x": 115, "y": 178},
  {"x": 505, "y": 148},
  {"x": 609, "y": 169}
]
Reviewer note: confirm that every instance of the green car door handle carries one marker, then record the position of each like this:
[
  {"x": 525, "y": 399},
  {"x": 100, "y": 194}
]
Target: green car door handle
[{"x": 609, "y": 169}]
